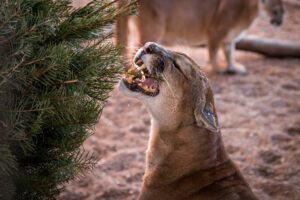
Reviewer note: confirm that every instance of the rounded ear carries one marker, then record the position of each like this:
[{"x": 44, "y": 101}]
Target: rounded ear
[{"x": 205, "y": 112}]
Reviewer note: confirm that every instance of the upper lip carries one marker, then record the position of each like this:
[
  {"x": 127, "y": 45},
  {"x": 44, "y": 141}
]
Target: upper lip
[{"x": 138, "y": 59}]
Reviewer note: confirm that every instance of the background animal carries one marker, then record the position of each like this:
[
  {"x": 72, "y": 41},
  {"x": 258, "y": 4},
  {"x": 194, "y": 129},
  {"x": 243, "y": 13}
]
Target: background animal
[{"x": 216, "y": 23}]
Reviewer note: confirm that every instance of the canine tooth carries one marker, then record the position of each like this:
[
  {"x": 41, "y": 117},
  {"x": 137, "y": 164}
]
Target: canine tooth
[{"x": 143, "y": 77}]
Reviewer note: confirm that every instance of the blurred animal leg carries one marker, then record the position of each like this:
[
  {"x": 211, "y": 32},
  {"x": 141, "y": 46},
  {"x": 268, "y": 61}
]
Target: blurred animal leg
[
  {"x": 122, "y": 33},
  {"x": 232, "y": 66},
  {"x": 149, "y": 32},
  {"x": 213, "y": 47}
]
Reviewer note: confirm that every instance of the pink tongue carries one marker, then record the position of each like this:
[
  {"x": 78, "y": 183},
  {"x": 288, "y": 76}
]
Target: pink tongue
[{"x": 150, "y": 82}]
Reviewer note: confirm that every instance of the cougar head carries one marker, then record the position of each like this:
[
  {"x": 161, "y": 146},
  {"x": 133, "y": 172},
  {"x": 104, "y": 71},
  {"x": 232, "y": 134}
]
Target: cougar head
[
  {"x": 172, "y": 87},
  {"x": 275, "y": 11}
]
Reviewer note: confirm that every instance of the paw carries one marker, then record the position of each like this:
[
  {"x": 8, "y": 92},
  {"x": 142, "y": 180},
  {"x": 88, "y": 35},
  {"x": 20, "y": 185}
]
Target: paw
[{"x": 237, "y": 68}]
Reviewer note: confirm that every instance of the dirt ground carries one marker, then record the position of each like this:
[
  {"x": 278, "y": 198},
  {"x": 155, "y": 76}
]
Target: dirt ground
[{"x": 259, "y": 116}]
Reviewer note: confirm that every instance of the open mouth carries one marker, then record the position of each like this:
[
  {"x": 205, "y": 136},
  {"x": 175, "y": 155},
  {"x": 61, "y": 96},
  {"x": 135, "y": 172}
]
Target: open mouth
[{"x": 139, "y": 79}]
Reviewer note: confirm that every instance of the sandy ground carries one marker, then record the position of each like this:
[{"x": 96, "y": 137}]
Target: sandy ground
[{"x": 259, "y": 116}]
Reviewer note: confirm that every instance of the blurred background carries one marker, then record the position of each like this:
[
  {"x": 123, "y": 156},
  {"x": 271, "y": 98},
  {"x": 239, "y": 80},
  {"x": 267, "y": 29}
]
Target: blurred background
[{"x": 259, "y": 116}]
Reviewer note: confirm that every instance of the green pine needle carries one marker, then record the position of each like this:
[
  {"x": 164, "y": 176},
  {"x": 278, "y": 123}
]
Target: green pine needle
[{"x": 56, "y": 71}]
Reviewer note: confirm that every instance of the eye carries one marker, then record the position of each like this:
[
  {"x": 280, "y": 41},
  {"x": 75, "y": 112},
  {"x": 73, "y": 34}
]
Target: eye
[
  {"x": 176, "y": 65},
  {"x": 275, "y": 12},
  {"x": 179, "y": 69}
]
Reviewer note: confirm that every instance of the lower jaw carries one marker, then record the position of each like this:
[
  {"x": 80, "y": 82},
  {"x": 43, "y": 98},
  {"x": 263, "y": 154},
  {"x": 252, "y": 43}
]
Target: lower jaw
[{"x": 138, "y": 89}]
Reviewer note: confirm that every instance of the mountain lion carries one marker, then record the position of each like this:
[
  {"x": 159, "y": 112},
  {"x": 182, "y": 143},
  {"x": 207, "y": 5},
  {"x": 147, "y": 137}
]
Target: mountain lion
[{"x": 186, "y": 159}]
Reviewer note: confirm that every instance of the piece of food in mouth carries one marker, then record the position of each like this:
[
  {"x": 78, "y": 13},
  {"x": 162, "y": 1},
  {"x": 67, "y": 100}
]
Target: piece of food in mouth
[{"x": 139, "y": 79}]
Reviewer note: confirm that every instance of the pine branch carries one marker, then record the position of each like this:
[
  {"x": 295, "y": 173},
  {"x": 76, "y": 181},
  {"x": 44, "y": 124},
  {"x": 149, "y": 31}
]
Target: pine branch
[{"x": 57, "y": 69}]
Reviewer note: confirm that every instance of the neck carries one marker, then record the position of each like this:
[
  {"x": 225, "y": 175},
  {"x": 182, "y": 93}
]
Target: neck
[
  {"x": 190, "y": 163},
  {"x": 173, "y": 154}
]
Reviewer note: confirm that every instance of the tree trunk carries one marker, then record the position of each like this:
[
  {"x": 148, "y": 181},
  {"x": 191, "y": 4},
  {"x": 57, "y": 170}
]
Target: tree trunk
[{"x": 270, "y": 47}]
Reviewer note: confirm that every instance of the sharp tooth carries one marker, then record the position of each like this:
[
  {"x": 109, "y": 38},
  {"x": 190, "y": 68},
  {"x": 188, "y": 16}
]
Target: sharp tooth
[
  {"x": 143, "y": 76},
  {"x": 142, "y": 72}
]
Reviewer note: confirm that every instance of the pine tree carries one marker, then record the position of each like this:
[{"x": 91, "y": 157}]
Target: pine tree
[{"x": 57, "y": 66}]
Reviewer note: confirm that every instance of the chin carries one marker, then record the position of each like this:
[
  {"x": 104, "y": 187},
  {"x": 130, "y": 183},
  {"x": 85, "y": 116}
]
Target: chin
[{"x": 125, "y": 90}]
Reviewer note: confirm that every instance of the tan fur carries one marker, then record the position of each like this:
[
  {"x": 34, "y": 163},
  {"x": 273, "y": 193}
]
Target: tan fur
[
  {"x": 217, "y": 23},
  {"x": 185, "y": 158}
]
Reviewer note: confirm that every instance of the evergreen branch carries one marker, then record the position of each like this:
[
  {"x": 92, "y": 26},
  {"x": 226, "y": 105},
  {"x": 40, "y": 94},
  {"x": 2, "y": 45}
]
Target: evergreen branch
[
  {"x": 58, "y": 67},
  {"x": 71, "y": 81},
  {"x": 7, "y": 160},
  {"x": 107, "y": 5},
  {"x": 12, "y": 70},
  {"x": 23, "y": 111}
]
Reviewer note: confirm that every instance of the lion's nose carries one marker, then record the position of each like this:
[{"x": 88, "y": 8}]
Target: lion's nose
[{"x": 150, "y": 47}]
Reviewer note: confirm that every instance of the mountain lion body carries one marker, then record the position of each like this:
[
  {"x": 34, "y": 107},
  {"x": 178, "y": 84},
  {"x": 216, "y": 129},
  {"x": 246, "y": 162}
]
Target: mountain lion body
[{"x": 217, "y": 23}]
